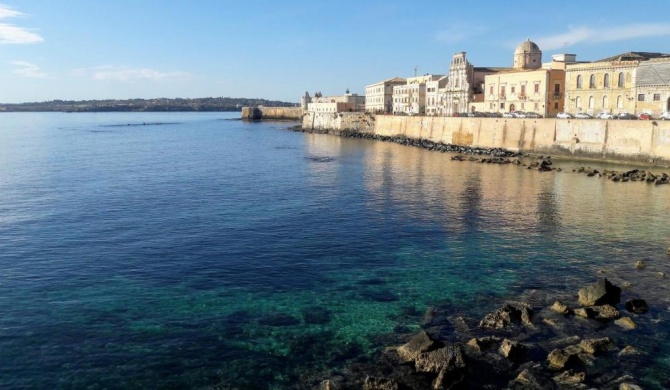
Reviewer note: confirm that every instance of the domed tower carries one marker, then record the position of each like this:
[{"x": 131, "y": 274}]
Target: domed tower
[{"x": 527, "y": 56}]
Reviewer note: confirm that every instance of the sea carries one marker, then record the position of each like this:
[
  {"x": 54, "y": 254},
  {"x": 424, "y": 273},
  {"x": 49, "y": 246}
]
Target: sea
[{"x": 195, "y": 250}]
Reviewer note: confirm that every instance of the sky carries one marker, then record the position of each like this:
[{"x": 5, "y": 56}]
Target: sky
[{"x": 123, "y": 49}]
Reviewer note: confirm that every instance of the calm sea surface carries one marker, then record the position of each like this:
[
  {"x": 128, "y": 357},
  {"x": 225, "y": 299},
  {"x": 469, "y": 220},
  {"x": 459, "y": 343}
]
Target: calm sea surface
[{"x": 185, "y": 250}]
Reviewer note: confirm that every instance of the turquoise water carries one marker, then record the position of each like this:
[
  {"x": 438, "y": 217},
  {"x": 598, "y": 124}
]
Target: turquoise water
[{"x": 186, "y": 250}]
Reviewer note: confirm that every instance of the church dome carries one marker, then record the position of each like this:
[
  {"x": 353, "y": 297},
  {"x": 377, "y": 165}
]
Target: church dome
[{"x": 527, "y": 47}]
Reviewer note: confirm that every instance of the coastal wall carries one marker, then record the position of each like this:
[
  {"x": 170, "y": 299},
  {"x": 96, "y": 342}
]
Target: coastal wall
[
  {"x": 647, "y": 141},
  {"x": 284, "y": 113}
]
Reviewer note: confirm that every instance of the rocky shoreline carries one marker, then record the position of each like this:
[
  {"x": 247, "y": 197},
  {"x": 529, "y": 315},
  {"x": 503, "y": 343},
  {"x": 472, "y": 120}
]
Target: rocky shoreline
[
  {"x": 577, "y": 345},
  {"x": 504, "y": 156}
]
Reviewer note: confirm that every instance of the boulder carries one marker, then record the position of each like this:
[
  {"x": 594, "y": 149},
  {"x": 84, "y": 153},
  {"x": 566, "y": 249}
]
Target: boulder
[
  {"x": 598, "y": 346},
  {"x": 560, "y": 358},
  {"x": 629, "y": 386},
  {"x": 599, "y": 293},
  {"x": 640, "y": 264},
  {"x": 628, "y": 350},
  {"x": 418, "y": 344},
  {"x": 585, "y": 312},
  {"x": 507, "y": 316},
  {"x": 637, "y": 306},
  {"x": 570, "y": 378},
  {"x": 448, "y": 358},
  {"x": 481, "y": 344},
  {"x": 372, "y": 383},
  {"x": 532, "y": 378},
  {"x": 512, "y": 350},
  {"x": 560, "y": 307},
  {"x": 626, "y": 322},
  {"x": 606, "y": 312}
]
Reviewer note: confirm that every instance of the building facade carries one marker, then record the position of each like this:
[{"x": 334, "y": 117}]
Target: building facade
[
  {"x": 607, "y": 85},
  {"x": 319, "y": 103},
  {"x": 410, "y": 99},
  {"x": 379, "y": 96},
  {"x": 652, "y": 84}
]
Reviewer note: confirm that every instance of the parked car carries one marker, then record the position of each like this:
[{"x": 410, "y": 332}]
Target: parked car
[
  {"x": 605, "y": 115},
  {"x": 645, "y": 116},
  {"x": 564, "y": 115},
  {"x": 518, "y": 114},
  {"x": 665, "y": 116},
  {"x": 533, "y": 115},
  {"x": 476, "y": 114},
  {"x": 626, "y": 115},
  {"x": 494, "y": 115},
  {"x": 583, "y": 115},
  {"x": 507, "y": 115}
]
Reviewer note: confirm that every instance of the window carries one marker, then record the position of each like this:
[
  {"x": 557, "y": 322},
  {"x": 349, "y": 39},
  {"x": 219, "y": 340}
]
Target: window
[
  {"x": 537, "y": 105},
  {"x": 591, "y": 102},
  {"x": 605, "y": 101},
  {"x": 555, "y": 105},
  {"x": 592, "y": 81},
  {"x": 606, "y": 80},
  {"x": 657, "y": 97},
  {"x": 578, "y": 102},
  {"x": 502, "y": 105},
  {"x": 620, "y": 84},
  {"x": 502, "y": 91},
  {"x": 491, "y": 90},
  {"x": 640, "y": 97},
  {"x": 557, "y": 89},
  {"x": 579, "y": 81},
  {"x": 537, "y": 88},
  {"x": 619, "y": 102},
  {"x": 523, "y": 90},
  {"x": 512, "y": 89}
]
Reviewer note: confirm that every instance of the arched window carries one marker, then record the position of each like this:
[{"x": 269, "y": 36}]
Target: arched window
[
  {"x": 592, "y": 81},
  {"x": 579, "y": 81},
  {"x": 619, "y": 102},
  {"x": 591, "y": 102},
  {"x": 578, "y": 103},
  {"x": 605, "y": 102},
  {"x": 606, "y": 80},
  {"x": 620, "y": 84}
]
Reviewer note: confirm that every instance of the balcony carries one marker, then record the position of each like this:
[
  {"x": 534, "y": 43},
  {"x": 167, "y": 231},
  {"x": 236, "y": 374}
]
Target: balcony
[
  {"x": 522, "y": 96},
  {"x": 558, "y": 95},
  {"x": 503, "y": 97}
]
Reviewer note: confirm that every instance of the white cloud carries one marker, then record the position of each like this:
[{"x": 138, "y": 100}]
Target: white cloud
[
  {"x": 581, "y": 34},
  {"x": 11, "y": 34},
  {"x": 27, "y": 69},
  {"x": 127, "y": 74},
  {"x": 458, "y": 32}
]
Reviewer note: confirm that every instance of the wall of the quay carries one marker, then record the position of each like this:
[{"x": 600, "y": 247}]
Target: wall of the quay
[
  {"x": 613, "y": 139},
  {"x": 284, "y": 113}
]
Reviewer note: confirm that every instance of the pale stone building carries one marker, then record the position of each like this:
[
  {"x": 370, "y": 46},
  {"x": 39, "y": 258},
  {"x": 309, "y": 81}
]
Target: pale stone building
[
  {"x": 410, "y": 99},
  {"x": 379, "y": 96},
  {"x": 435, "y": 96},
  {"x": 464, "y": 86},
  {"x": 653, "y": 87},
  {"x": 607, "y": 85}
]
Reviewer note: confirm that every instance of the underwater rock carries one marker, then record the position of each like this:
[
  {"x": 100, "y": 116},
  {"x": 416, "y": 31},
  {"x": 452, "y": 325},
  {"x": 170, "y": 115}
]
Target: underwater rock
[
  {"x": 316, "y": 315},
  {"x": 599, "y": 293},
  {"x": 278, "y": 319}
]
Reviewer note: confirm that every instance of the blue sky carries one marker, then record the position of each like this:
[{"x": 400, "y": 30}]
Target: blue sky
[{"x": 84, "y": 49}]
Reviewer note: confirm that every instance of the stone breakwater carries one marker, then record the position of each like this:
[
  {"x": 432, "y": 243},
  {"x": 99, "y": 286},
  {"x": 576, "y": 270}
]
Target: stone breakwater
[{"x": 574, "y": 345}]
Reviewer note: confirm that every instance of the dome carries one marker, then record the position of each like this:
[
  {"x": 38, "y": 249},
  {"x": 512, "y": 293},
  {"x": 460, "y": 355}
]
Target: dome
[{"x": 527, "y": 47}]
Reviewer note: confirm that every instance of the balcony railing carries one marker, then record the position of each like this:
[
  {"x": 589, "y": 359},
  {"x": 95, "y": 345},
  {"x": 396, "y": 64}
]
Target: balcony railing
[
  {"x": 522, "y": 97},
  {"x": 503, "y": 97}
]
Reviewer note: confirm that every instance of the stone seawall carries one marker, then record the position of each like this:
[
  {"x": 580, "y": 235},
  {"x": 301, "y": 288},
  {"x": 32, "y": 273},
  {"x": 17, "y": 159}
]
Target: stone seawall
[
  {"x": 644, "y": 141},
  {"x": 283, "y": 113}
]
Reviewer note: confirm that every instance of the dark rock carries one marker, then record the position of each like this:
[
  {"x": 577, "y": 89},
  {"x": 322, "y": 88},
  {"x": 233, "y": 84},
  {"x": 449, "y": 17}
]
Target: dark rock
[
  {"x": 512, "y": 350},
  {"x": 479, "y": 345},
  {"x": 598, "y": 346},
  {"x": 279, "y": 319},
  {"x": 637, "y": 306},
  {"x": 372, "y": 383},
  {"x": 640, "y": 264},
  {"x": 561, "y": 358},
  {"x": 599, "y": 293},
  {"x": 606, "y": 312},
  {"x": 585, "y": 312},
  {"x": 532, "y": 377},
  {"x": 418, "y": 344},
  {"x": 316, "y": 315}
]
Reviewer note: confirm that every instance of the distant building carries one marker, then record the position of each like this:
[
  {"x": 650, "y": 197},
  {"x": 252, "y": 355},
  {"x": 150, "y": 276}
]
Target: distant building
[
  {"x": 347, "y": 102},
  {"x": 379, "y": 96},
  {"x": 610, "y": 84},
  {"x": 435, "y": 96}
]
